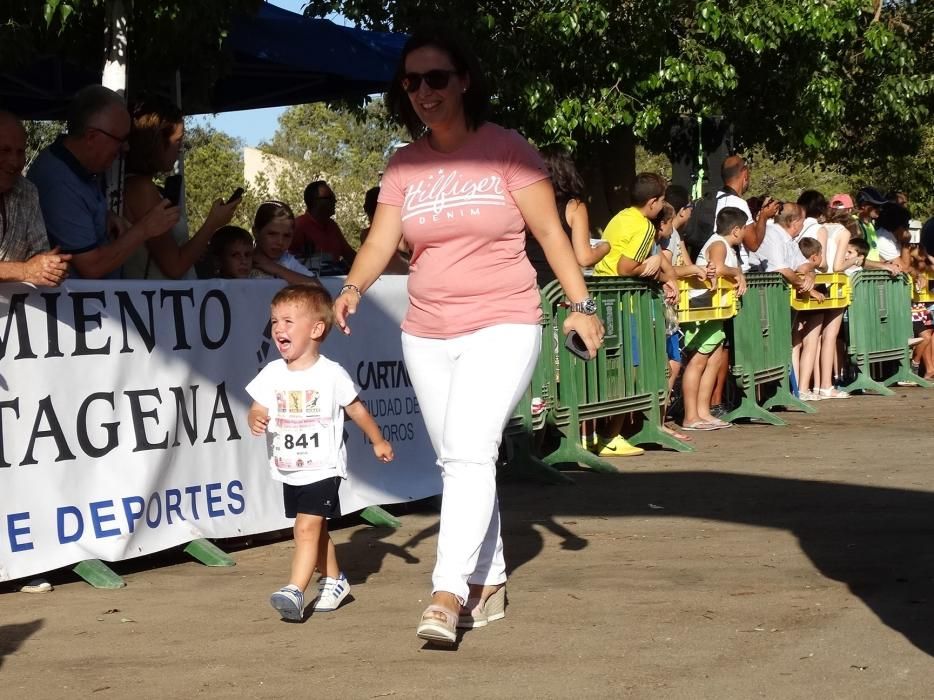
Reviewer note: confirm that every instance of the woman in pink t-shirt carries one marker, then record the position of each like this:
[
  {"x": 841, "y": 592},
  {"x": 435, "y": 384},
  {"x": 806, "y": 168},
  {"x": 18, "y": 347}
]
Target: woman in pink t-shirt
[{"x": 462, "y": 195}]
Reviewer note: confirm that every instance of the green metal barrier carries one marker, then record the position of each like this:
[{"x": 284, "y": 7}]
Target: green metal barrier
[
  {"x": 613, "y": 382},
  {"x": 760, "y": 350},
  {"x": 525, "y": 428},
  {"x": 879, "y": 328}
]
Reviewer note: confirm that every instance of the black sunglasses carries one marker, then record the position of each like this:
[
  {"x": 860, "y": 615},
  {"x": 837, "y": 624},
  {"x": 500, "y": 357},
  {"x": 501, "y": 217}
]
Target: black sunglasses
[{"x": 436, "y": 79}]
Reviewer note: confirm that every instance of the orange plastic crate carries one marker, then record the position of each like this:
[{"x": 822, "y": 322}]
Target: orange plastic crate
[
  {"x": 717, "y": 302},
  {"x": 836, "y": 287}
]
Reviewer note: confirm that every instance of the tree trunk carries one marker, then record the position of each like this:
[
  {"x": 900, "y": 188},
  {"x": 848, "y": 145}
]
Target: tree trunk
[{"x": 608, "y": 168}]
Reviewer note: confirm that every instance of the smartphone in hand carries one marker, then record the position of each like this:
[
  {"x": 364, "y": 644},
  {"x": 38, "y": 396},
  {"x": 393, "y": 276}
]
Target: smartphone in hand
[
  {"x": 576, "y": 345},
  {"x": 172, "y": 190},
  {"x": 237, "y": 194}
]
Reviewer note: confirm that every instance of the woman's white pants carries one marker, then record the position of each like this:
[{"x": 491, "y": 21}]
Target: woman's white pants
[{"x": 467, "y": 388}]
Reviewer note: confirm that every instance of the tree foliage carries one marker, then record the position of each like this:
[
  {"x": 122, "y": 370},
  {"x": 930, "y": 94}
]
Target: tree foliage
[
  {"x": 162, "y": 35},
  {"x": 846, "y": 82},
  {"x": 347, "y": 147}
]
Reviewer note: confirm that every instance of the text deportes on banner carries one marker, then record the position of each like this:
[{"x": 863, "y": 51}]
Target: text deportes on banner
[{"x": 123, "y": 416}]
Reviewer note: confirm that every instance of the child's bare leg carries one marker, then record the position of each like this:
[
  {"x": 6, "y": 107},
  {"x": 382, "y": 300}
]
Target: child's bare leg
[
  {"x": 833, "y": 321},
  {"x": 613, "y": 426},
  {"x": 327, "y": 555},
  {"x": 796, "y": 353},
  {"x": 690, "y": 386},
  {"x": 927, "y": 354},
  {"x": 708, "y": 383},
  {"x": 307, "y": 532},
  {"x": 674, "y": 369},
  {"x": 723, "y": 369},
  {"x": 811, "y": 334}
]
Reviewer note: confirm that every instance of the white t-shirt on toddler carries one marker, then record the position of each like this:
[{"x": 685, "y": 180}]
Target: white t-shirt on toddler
[{"x": 306, "y": 419}]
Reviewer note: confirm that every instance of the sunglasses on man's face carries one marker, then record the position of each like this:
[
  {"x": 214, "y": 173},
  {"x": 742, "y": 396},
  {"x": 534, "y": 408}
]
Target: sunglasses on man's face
[{"x": 436, "y": 79}]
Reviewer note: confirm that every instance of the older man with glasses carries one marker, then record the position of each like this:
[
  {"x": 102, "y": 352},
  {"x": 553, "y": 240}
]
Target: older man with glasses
[
  {"x": 69, "y": 177},
  {"x": 24, "y": 246}
]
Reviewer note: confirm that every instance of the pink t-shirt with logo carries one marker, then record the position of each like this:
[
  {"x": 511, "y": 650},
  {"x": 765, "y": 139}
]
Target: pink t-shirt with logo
[{"x": 469, "y": 269}]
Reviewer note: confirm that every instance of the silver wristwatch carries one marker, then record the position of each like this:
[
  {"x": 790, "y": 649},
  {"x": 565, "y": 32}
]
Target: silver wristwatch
[{"x": 586, "y": 306}]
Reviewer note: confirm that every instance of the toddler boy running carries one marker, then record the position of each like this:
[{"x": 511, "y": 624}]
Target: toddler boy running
[{"x": 301, "y": 400}]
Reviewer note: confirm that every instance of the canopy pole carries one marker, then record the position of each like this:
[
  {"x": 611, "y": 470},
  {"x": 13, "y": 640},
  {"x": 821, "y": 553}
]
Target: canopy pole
[{"x": 115, "y": 78}]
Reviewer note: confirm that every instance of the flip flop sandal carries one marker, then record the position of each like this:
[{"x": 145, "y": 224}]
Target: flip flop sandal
[
  {"x": 699, "y": 426},
  {"x": 719, "y": 424},
  {"x": 438, "y": 624},
  {"x": 675, "y": 434}
]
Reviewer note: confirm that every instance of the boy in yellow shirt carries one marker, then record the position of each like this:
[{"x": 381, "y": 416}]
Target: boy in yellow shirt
[{"x": 631, "y": 235}]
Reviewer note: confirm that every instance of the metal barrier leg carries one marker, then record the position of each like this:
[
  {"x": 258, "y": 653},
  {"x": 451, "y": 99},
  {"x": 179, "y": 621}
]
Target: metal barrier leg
[
  {"x": 748, "y": 408},
  {"x": 865, "y": 383},
  {"x": 375, "y": 515},
  {"x": 904, "y": 374},
  {"x": 571, "y": 451},
  {"x": 651, "y": 433},
  {"x": 783, "y": 398},
  {"x": 98, "y": 574},
  {"x": 209, "y": 553}
]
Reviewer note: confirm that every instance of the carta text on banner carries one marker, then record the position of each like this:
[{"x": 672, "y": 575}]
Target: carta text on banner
[{"x": 123, "y": 416}]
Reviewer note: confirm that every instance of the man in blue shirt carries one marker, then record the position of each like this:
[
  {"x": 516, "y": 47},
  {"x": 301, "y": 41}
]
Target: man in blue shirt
[{"x": 68, "y": 175}]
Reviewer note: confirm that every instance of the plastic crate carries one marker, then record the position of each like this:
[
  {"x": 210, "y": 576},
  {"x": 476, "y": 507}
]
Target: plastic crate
[
  {"x": 717, "y": 302},
  {"x": 925, "y": 295},
  {"x": 836, "y": 288}
]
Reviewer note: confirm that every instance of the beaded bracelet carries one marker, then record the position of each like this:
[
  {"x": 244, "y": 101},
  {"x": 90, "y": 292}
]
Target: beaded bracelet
[{"x": 353, "y": 288}]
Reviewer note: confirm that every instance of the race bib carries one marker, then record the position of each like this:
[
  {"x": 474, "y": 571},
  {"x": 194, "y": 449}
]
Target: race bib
[{"x": 303, "y": 444}]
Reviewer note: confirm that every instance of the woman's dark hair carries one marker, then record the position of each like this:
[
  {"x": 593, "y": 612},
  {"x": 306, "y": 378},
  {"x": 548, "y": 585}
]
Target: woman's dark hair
[
  {"x": 370, "y": 201},
  {"x": 813, "y": 203},
  {"x": 268, "y": 211},
  {"x": 476, "y": 98},
  {"x": 153, "y": 122},
  {"x": 565, "y": 178}
]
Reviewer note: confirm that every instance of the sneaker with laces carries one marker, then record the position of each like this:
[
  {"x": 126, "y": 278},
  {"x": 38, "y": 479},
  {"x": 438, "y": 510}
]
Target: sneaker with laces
[
  {"x": 332, "y": 592},
  {"x": 290, "y": 602},
  {"x": 618, "y": 447}
]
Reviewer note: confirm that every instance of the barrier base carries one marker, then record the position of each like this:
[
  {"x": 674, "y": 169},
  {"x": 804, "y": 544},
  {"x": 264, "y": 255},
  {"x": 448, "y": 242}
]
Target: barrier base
[
  {"x": 375, "y": 515},
  {"x": 534, "y": 469},
  {"x": 98, "y": 574},
  {"x": 785, "y": 399},
  {"x": 571, "y": 451},
  {"x": 906, "y": 375},
  {"x": 750, "y": 410},
  {"x": 867, "y": 384},
  {"x": 652, "y": 434},
  {"x": 208, "y": 553}
]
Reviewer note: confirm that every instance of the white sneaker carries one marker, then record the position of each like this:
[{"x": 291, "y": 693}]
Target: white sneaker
[
  {"x": 332, "y": 592},
  {"x": 290, "y": 603}
]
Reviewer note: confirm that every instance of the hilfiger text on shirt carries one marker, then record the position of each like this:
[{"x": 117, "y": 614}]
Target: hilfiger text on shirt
[{"x": 446, "y": 196}]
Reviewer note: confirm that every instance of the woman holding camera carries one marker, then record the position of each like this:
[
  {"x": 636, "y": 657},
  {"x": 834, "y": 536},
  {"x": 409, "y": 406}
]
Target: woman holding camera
[
  {"x": 155, "y": 140},
  {"x": 462, "y": 195}
]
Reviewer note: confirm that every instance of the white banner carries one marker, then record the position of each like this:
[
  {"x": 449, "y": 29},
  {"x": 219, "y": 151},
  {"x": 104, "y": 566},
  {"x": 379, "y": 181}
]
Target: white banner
[{"x": 123, "y": 417}]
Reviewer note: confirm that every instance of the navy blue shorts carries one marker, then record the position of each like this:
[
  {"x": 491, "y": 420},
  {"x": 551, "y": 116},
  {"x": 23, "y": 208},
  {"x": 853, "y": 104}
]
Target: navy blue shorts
[
  {"x": 673, "y": 347},
  {"x": 319, "y": 498}
]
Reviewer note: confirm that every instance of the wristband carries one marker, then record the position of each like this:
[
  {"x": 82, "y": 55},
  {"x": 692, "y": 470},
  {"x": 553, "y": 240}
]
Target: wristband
[{"x": 352, "y": 288}]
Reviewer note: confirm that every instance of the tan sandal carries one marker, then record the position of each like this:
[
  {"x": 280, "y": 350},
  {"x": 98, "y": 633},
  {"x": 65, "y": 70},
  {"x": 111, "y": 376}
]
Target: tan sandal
[
  {"x": 477, "y": 614},
  {"x": 438, "y": 624}
]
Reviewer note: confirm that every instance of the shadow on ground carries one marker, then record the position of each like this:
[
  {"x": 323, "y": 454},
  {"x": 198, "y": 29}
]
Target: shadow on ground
[
  {"x": 13, "y": 636},
  {"x": 878, "y": 541}
]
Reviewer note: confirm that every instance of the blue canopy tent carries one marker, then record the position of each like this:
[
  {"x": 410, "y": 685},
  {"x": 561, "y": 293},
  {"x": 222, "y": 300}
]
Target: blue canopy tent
[{"x": 278, "y": 58}]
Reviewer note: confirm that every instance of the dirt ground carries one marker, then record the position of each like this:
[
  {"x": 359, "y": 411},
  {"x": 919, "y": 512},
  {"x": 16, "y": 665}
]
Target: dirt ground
[{"x": 793, "y": 562}]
